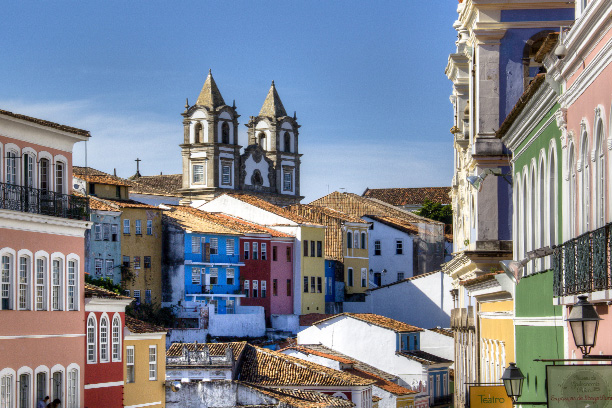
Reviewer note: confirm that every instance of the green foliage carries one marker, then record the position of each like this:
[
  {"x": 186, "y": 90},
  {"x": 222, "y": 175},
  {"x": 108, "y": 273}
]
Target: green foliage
[
  {"x": 436, "y": 211},
  {"x": 159, "y": 316},
  {"x": 106, "y": 283}
]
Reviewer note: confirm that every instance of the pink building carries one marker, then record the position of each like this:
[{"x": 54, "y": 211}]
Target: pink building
[
  {"x": 584, "y": 71},
  {"x": 42, "y": 231},
  {"x": 281, "y": 276}
]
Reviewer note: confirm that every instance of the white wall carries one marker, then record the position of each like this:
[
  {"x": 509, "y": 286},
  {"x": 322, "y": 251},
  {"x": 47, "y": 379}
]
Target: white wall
[
  {"x": 289, "y": 323},
  {"x": 437, "y": 344},
  {"x": 249, "y": 324},
  {"x": 424, "y": 301}
]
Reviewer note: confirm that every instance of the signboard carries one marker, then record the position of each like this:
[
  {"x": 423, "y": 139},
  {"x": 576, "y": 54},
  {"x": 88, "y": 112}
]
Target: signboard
[
  {"x": 572, "y": 386},
  {"x": 489, "y": 396}
]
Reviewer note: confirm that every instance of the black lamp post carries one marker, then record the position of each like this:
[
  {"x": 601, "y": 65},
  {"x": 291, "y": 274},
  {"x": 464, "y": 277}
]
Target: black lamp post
[
  {"x": 584, "y": 321},
  {"x": 513, "y": 381}
]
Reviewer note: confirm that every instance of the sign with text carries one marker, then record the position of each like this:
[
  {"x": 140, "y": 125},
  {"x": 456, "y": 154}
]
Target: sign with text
[
  {"x": 571, "y": 386},
  {"x": 489, "y": 396}
]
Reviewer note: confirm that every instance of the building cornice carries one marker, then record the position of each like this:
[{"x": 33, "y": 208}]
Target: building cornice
[{"x": 46, "y": 224}]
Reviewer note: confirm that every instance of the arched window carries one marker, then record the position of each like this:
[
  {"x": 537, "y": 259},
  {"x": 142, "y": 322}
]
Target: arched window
[
  {"x": 532, "y": 216},
  {"x": 573, "y": 203},
  {"x": 11, "y": 167},
  {"x": 24, "y": 283},
  {"x": 600, "y": 176},
  {"x": 363, "y": 241},
  {"x": 199, "y": 134},
  {"x": 552, "y": 199},
  {"x": 104, "y": 339},
  {"x": 43, "y": 171},
  {"x": 287, "y": 141},
  {"x": 225, "y": 133},
  {"x": 525, "y": 207},
  {"x": 584, "y": 183},
  {"x": 116, "y": 338},
  {"x": 73, "y": 388},
  {"x": 24, "y": 391},
  {"x": 261, "y": 139},
  {"x": 56, "y": 285},
  {"x": 349, "y": 239},
  {"x": 28, "y": 170},
  {"x": 41, "y": 284},
  {"x": 6, "y": 282},
  {"x": 541, "y": 210},
  {"x": 91, "y": 339},
  {"x": 6, "y": 391},
  {"x": 59, "y": 177},
  {"x": 73, "y": 298},
  {"x": 518, "y": 220}
]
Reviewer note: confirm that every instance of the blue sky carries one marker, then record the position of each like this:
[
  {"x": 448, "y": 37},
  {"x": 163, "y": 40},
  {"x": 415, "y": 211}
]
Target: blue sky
[{"x": 366, "y": 79}]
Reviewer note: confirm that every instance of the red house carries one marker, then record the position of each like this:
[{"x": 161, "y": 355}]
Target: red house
[{"x": 104, "y": 322}]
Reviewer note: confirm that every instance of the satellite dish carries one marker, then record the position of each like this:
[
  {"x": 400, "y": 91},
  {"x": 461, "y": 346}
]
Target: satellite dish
[{"x": 75, "y": 186}]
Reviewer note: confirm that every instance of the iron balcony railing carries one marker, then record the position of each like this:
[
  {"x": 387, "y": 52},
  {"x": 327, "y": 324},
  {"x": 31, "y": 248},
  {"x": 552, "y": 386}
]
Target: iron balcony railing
[
  {"x": 38, "y": 201},
  {"x": 582, "y": 264}
]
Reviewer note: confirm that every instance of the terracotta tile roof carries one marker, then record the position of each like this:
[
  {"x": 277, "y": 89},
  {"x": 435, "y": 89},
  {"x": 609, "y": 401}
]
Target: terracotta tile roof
[
  {"x": 272, "y": 106},
  {"x": 397, "y": 223},
  {"x": 138, "y": 326},
  {"x": 409, "y": 196},
  {"x": 215, "y": 349},
  {"x": 378, "y": 320},
  {"x": 407, "y": 280},
  {"x": 479, "y": 279},
  {"x": 423, "y": 357},
  {"x": 267, "y": 367},
  {"x": 92, "y": 291},
  {"x": 97, "y": 204},
  {"x": 130, "y": 204},
  {"x": 547, "y": 46},
  {"x": 247, "y": 227},
  {"x": 210, "y": 96},
  {"x": 375, "y": 398},
  {"x": 359, "y": 206},
  {"x": 311, "y": 318},
  {"x": 91, "y": 175},
  {"x": 442, "y": 331},
  {"x": 520, "y": 105},
  {"x": 333, "y": 220},
  {"x": 386, "y": 385},
  {"x": 47, "y": 123},
  {"x": 163, "y": 184},
  {"x": 325, "y": 354},
  {"x": 301, "y": 398},
  {"x": 274, "y": 209}
]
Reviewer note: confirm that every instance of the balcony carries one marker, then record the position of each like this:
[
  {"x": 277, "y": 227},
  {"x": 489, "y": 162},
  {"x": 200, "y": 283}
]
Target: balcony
[
  {"x": 442, "y": 400},
  {"x": 44, "y": 202},
  {"x": 582, "y": 264}
]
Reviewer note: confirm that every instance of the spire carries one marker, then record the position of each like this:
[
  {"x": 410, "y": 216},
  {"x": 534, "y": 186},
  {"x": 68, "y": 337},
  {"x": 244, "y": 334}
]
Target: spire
[
  {"x": 210, "y": 95},
  {"x": 272, "y": 106}
]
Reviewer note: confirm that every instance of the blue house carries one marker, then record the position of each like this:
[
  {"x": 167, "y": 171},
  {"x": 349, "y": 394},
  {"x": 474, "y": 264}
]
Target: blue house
[{"x": 103, "y": 242}]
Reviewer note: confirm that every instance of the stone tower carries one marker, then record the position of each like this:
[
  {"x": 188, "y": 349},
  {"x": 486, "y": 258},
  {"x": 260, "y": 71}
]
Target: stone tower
[{"x": 210, "y": 150}]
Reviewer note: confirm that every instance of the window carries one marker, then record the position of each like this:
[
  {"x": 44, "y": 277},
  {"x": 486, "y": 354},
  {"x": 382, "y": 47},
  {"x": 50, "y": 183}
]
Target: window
[
  {"x": 29, "y": 170},
  {"x": 214, "y": 276},
  {"x": 148, "y": 296},
  {"x": 263, "y": 288},
  {"x": 246, "y": 250},
  {"x": 225, "y": 133},
  {"x": 149, "y": 227},
  {"x": 229, "y": 276},
  {"x": 59, "y": 177},
  {"x": 364, "y": 279},
  {"x": 126, "y": 293},
  {"x": 198, "y": 174},
  {"x": 98, "y": 263},
  {"x": 195, "y": 245},
  {"x": 274, "y": 251},
  {"x": 6, "y": 388},
  {"x": 312, "y": 249},
  {"x": 246, "y": 288},
  {"x": 73, "y": 299},
  {"x": 214, "y": 246},
  {"x": 229, "y": 246},
  {"x": 104, "y": 339},
  {"x": 288, "y": 287},
  {"x": 399, "y": 247},
  {"x": 356, "y": 239},
  {"x": 118, "y": 191},
  {"x": 229, "y": 306},
  {"x": 116, "y": 338},
  {"x": 126, "y": 261},
  {"x": 136, "y": 262},
  {"x": 114, "y": 232},
  {"x": 350, "y": 276},
  {"x": 43, "y": 169},
  {"x": 56, "y": 282},
  {"x": 400, "y": 276},
  {"x": 7, "y": 287},
  {"x": 288, "y": 254},
  {"x": 91, "y": 339},
  {"x": 377, "y": 250},
  {"x": 106, "y": 230},
  {"x": 287, "y": 141},
  {"x": 126, "y": 226},
  {"x": 24, "y": 283},
  {"x": 306, "y": 248},
  {"x": 73, "y": 376},
  {"x": 287, "y": 180},
  {"x": 57, "y": 385},
  {"x": 319, "y": 249},
  {"x": 262, "y": 140},
  {"x": 129, "y": 362},
  {"x": 41, "y": 386},
  {"x": 274, "y": 287},
  {"x": 255, "y": 288},
  {"x": 312, "y": 285},
  {"x": 11, "y": 168},
  {"x": 226, "y": 174},
  {"x": 319, "y": 285},
  {"x": 137, "y": 296},
  {"x": 195, "y": 276},
  {"x": 305, "y": 284},
  {"x": 349, "y": 239},
  {"x": 138, "y": 227},
  {"x": 110, "y": 265},
  {"x": 98, "y": 232},
  {"x": 41, "y": 284},
  {"x": 24, "y": 391},
  {"x": 255, "y": 250},
  {"x": 364, "y": 244},
  {"x": 264, "y": 251}
]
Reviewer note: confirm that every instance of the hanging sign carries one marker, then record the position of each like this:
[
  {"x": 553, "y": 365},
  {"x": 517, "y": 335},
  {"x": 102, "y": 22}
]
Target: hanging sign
[
  {"x": 571, "y": 386},
  {"x": 489, "y": 396}
]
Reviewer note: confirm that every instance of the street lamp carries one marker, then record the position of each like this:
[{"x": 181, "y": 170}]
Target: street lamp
[
  {"x": 513, "y": 381},
  {"x": 476, "y": 181},
  {"x": 584, "y": 322}
]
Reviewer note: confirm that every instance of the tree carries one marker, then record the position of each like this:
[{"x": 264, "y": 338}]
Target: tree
[{"x": 436, "y": 211}]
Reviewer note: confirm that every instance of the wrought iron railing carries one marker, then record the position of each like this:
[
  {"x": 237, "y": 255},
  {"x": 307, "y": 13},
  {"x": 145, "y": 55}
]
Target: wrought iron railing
[
  {"x": 582, "y": 264},
  {"x": 38, "y": 201}
]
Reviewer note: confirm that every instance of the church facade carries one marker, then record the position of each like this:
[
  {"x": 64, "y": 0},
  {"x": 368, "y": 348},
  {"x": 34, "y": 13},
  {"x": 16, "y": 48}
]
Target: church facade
[{"x": 269, "y": 167}]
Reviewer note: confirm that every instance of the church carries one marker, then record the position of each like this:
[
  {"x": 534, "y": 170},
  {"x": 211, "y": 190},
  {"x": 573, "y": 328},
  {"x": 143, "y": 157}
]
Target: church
[{"x": 269, "y": 167}]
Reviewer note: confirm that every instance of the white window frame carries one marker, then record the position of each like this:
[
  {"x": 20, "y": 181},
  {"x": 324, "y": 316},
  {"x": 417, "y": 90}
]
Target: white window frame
[
  {"x": 247, "y": 250},
  {"x": 255, "y": 288},
  {"x": 152, "y": 363},
  {"x": 57, "y": 295},
  {"x": 104, "y": 335},
  {"x": 109, "y": 266},
  {"x": 399, "y": 247},
  {"x": 214, "y": 246},
  {"x": 41, "y": 283},
  {"x": 138, "y": 227},
  {"x": 130, "y": 358},
  {"x": 287, "y": 180},
  {"x": 6, "y": 280},
  {"x": 98, "y": 266},
  {"x": 196, "y": 276},
  {"x": 72, "y": 388},
  {"x": 195, "y": 245},
  {"x": 255, "y": 251},
  {"x": 106, "y": 231},
  {"x": 72, "y": 286},
  {"x": 149, "y": 227},
  {"x": 229, "y": 246},
  {"x": 116, "y": 338},
  {"x": 147, "y": 296},
  {"x": 197, "y": 174},
  {"x": 226, "y": 174},
  {"x": 213, "y": 273},
  {"x": 247, "y": 288},
  {"x": 60, "y": 177},
  {"x": 264, "y": 289},
  {"x": 230, "y": 273},
  {"x": 98, "y": 232},
  {"x": 126, "y": 226},
  {"x": 137, "y": 295},
  {"x": 91, "y": 339},
  {"x": 7, "y": 390},
  {"x": 25, "y": 283}
]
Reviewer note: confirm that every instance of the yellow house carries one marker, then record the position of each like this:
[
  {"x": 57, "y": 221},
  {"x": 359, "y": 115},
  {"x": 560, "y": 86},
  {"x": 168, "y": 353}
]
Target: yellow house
[
  {"x": 144, "y": 365},
  {"x": 312, "y": 268}
]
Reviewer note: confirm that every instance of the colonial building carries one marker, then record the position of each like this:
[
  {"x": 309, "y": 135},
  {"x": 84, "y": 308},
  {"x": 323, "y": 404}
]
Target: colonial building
[{"x": 213, "y": 164}]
